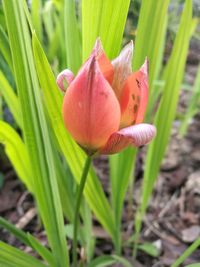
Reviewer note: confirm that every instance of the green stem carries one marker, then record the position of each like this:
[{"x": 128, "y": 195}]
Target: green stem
[{"x": 77, "y": 207}]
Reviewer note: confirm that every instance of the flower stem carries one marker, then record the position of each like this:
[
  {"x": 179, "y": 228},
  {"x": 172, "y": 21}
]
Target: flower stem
[{"x": 77, "y": 207}]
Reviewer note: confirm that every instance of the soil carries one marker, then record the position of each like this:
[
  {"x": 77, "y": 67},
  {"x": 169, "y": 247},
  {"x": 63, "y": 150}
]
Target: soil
[{"x": 172, "y": 221}]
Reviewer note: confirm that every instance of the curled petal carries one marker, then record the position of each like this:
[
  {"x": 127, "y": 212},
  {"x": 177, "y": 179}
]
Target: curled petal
[
  {"x": 64, "y": 79},
  {"x": 122, "y": 68},
  {"x": 143, "y": 81},
  {"x": 136, "y": 135},
  {"x": 104, "y": 63},
  {"x": 90, "y": 109},
  {"x": 134, "y": 97}
]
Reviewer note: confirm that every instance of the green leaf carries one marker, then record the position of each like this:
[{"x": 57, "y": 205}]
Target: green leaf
[
  {"x": 108, "y": 260},
  {"x": 72, "y": 36},
  {"x": 35, "y": 130},
  {"x": 186, "y": 254},
  {"x": 5, "y": 48},
  {"x": 41, "y": 250},
  {"x": 194, "y": 265},
  {"x": 173, "y": 75},
  {"x": 12, "y": 257},
  {"x": 17, "y": 153},
  {"x": 28, "y": 240},
  {"x": 74, "y": 155},
  {"x": 193, "y": 104},
  {"x": 36, "y": 8},
  {"x": 10, "y": 98},
  {"x": 48, "y": 13},
  {"x": 102, "y": 261},
  {"x": 121, "y": 170},
  {"x": 151, "y": 31},
  {"x": 150, "y": 249},
  {"x": 104, "y": 19}
]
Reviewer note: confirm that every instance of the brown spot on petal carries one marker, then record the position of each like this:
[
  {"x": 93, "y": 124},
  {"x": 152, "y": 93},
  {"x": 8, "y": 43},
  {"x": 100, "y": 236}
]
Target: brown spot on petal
[
  {"x": 105, "y": 94},
  {"x": 138, "y": 83},
  {"x": 135, "y": 108},
  {"x": 138, "y": 99},
  {"x": 133, "y": 97}
]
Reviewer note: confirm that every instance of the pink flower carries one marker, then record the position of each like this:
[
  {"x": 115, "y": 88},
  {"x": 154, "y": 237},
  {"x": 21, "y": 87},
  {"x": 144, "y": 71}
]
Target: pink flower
[{"x": 105, "y": 104}]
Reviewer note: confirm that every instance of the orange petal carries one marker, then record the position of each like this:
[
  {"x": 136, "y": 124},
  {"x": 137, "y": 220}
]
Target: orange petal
[
  {"x": 137, "y": 135},
  {"x": 91, "y": 110},
  {"x": 122, "y": 68},
  {"x": 133, "y": 101},
  {"x": 104, "y": 63},
  {"x": 64, "y": 79}
]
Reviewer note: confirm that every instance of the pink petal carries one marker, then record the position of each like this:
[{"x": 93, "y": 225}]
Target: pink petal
[
  {"x": 66, "y": 76},
  {"x": 134, "y": 97},
  {"x": 104, "y": 63},
  {"x": 91, "y": 110},
  {"x": 122, "y": 68},
  {"x": 137, "y": 135},
  {"x": 143, "y": 92}
]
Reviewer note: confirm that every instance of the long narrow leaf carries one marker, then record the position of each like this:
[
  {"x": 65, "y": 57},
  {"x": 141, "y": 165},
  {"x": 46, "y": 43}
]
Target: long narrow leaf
[
  {"x": 121, "y": 167},
  {"x": 104, "y": 261},
  {"x": 151, "y": 29},
  {"x": 10, "y": 98},
  {"x": 186, "y": 254},
  {"x": 72, "y": 36},
  {"x": 193, "y": 104},
  {"x": 35, "y": 130},
  {"x": 104, "y": 19},
  {"x": 36, "y": 10},
  {"x": 5, "y": 48},
  {"x": 172, "y": 76},
  {"x": 28, "y": 240},
  {"x": 12, "y": 257},
  {"x": 17, "y": 153}
]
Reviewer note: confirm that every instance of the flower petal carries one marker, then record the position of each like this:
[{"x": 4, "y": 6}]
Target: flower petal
[
  {"x": 122, "y": 68},
  {"x": 134, "y": 97},
  {"x": 136, "y": 135},
  {"x": 91, "y": 110},
  {"x": 104, "y": 63},
  {"x": 64, "y": 79}
]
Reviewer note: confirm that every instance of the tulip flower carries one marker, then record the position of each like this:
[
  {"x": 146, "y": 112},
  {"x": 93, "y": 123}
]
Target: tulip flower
[{"x": 105, "y": 104}]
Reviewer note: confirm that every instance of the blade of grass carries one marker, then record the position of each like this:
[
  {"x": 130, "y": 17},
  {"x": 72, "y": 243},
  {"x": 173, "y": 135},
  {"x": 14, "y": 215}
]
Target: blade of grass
[
  {"x": 151, "y": 30},
  {"x": 186, "y": 253},
  {"x": 121, "y": 167},
  {"x": 17, "y": 153},
  {"x": 72, "y": 36},
  {"x": 35, "y": 130},
  {"x": 193, "y": 104},
  {"x": 173, "y": 75},
  {"x": 12, "y": 257},
  {"x": 48, "y": 13},
  {"x": 36, "y": 9},
  {"x": 5, "y": 48},
  {"x": 10, "y": 98},
  {"x": 104, "y": 19},
  {"x": 28, "y": 240},
  {"x": 104, "y": 261}
]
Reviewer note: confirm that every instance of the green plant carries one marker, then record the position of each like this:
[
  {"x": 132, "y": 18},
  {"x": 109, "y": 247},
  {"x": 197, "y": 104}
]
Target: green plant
[{"x": 39, "y": 42}]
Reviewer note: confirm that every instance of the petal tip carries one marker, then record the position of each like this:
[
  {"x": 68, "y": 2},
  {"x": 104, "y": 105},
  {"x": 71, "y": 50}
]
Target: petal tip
[
  {"x": 145, "y": 67},
  {"x": 98, "y": 47}
]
